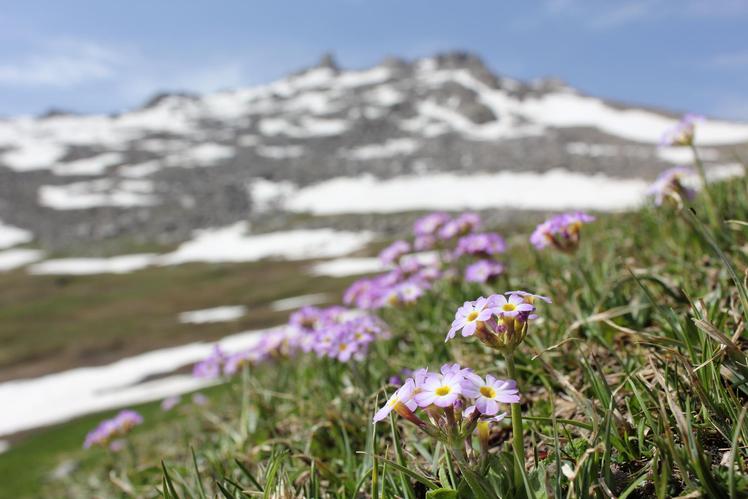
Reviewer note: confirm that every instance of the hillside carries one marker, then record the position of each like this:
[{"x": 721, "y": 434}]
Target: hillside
[
  {"x": 328, "y": 142},
  {"x": 631, "y": 381}
]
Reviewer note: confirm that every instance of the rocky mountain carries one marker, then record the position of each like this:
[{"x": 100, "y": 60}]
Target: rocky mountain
[{"x": 330, "y": 141}]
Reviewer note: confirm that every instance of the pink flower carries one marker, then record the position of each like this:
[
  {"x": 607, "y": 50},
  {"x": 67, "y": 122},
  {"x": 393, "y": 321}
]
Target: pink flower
[
  {"x": 529, "y": 297},
  {"x": 490, "y": 392},
  {"x": 441, "y": 391},
  {"x": 469, "y": 315},
  {"x": 512, "y": 306},
  {"x": 403, "y": 395},
  {"x": 393, "y": 252}
]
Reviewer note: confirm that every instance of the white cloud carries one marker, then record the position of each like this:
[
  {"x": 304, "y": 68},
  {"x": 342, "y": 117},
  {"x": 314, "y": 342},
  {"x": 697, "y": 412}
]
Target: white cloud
[
  {"x": 595, "y": 14},
  {"x": 732, "y": 60},
  {"x": 62, "y": 63}
]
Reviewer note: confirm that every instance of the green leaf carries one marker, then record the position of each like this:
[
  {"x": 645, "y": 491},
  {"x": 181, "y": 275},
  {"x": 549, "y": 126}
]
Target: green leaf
[{"x": 441, "y": 494}]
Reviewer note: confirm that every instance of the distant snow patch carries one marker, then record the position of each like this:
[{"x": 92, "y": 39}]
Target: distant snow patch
[
  {"x": 388, "y": 149},
  {"x": 12, "y": 236},
  {"x": 14, "y": 258},
  {"x": 684, "y": 155},
  {"x": 299, "y": 301},
  {"x": 95, "y": 165},
  {"x": 554, "y": 190},
  {"x": 235, "y": 244},
  {"x": 280, "y": 152},
  {"x": 343, "y": 267},
  {"x": 139, "y": 170},
  {"x": 207, "y": 154},
  {"x": 87, "y": 266},
  {"x": 95, "y": 193},
  {"x": 266, "y": 194},
  {"x": 215, "y": 314},
  {"x": 30, "y": 155},
  {"x": 4, "y": 446},
  {"x": 30, "y": 403}
]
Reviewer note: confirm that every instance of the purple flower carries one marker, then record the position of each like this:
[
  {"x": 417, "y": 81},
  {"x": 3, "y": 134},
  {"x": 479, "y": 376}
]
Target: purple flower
[
  {"x": 460, "y": 226},
  {"x": 307, "y": 318},
  {"x": 682, "y": 133},
  {"x": 561, "y": 231},
  {"x": 128, "y": 419},
  {"x": 440, "y": 390},
  {"x": 469, "y": 315},
  {"x": 199, "y": 399},
  {"x": 428, "y": 225},
  {"x": 170, "y": 403},
  {"x": 512, "y": 306},
  {"x": 108, "y": 429},
  {"x": 483, "y": 271},
  {"x": 403, "y": 396},
  {"x": 490, "y": 392},
  {"x": 392, "y": 253},
  {"x": 424, "y": 242},
  {"x": 409, "y": 292},
  {"x": 211, "y": 366},
  {"x": 529, "y": 297},
  {"x": 677, "y": 182},
  {"x": 485, "y": 245}
]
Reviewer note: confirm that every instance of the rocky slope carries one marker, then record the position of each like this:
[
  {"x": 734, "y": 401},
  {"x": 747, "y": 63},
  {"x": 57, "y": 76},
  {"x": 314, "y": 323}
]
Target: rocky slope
[{"x": 184, "y": 162}]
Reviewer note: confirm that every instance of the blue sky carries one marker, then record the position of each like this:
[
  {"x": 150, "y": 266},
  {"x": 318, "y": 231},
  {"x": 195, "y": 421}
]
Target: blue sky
[{"x": 93, "y": 56}]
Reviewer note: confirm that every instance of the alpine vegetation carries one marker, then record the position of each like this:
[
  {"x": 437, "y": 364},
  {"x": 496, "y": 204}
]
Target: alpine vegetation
[{"x": 609, "y": 365}]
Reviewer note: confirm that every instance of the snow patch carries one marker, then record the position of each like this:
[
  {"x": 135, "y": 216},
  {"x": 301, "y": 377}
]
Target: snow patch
[
  {"x": 15, "y": 258},
  {"x": 280, "y": 152},
  {"x": 96, "y": 193},
  {"x": 54, "y": 398},
  {"x": 343, "y": 267},
  {"x": 235, "y": 244},
  {"x": 12, "y": 236},
  {"x": 554, "y": 190},
  {"x": 215, "y": 314},
  {"x": 388, "y": 149},
  {"x": 28, "y": 155},
  {"x": 298, "y": 302},
  {"x": 266, "y": 194},
  {"x": 87, "y": 266},
  {"x": 95, "y": 165}
]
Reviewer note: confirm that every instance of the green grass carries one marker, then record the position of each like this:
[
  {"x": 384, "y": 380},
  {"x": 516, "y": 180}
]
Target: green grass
[
  {"x": 49, "y": 323},
  {"x": 634, "y": 385}
]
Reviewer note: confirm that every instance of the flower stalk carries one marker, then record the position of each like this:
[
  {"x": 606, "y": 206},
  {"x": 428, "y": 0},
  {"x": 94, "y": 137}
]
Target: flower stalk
[{"x": 517, "y": 429}]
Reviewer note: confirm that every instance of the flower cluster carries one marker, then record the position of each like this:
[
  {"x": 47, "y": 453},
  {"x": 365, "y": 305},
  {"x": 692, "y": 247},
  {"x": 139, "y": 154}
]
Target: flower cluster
[
  {"x": 561, "y": 231},
  {"x": 401, "y": 286},
  {"x": 456, "y": 244},
  {"x": 455, "y": 400},
  {"x": 674, "y": 184},
  {"x": 110, "y": 429},
  {"x": 452, "y": 387},
  {"x": 499, "y": 321},
  {"x": 682, "y": 133},
  {"x": 334, "y": 332}
]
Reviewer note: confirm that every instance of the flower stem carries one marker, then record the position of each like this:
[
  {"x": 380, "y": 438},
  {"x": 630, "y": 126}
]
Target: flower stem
[
  {"x": 517, "y": 431},
  {"x": 711, "y": 205}
]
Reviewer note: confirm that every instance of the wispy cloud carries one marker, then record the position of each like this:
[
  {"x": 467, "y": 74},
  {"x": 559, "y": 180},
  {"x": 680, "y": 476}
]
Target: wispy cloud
[
  {"x": 62, "y": 63},
  {"x": 595, "y": 14},
  {"x": 731, "y": 60}
]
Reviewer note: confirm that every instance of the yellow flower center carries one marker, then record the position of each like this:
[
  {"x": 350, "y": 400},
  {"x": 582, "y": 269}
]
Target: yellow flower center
[
  {"x": 487, "y": 392},
  {"x": 393, "y": 401},
  {"x": 472, "y": 316},
  {"x": 443, "y": 390},
  {"x": 342, "y": 347},
  {"x": 508, "y": 307}
]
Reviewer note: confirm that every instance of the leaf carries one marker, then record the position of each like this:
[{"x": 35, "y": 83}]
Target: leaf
[{"x": 441, "y": 494}]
